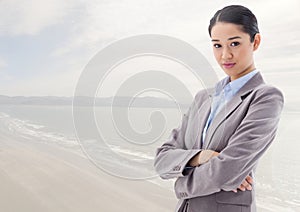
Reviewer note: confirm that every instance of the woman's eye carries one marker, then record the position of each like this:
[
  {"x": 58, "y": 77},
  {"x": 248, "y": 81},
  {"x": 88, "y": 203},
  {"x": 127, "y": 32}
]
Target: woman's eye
[
  {"x": 217, "y": 45},
  {"x": 234, "y": 44}
]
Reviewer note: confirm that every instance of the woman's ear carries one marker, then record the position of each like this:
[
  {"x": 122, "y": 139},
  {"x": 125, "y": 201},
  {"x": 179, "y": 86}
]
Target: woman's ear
[{"x": 256, "y": 41}]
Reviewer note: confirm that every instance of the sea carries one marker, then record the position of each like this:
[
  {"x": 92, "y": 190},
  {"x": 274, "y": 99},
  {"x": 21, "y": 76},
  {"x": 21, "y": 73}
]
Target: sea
[{"x": 121, "y": 139}]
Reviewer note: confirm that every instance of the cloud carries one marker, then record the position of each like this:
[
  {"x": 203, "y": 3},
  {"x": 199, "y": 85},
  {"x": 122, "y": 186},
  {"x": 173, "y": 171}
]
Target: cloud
[
  {"x": 101, "y": 23},
  {"x": 31, "y": 16},
  {"x": 91, "y": 25},
  {"x": 2, "y": 64}
]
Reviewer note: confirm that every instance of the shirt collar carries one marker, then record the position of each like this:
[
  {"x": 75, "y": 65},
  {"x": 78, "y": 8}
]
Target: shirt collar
[{"x": 234, "y": 85}]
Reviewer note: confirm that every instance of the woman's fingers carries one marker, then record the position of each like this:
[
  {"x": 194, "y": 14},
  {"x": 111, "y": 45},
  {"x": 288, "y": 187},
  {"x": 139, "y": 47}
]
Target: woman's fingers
[
  {"x": 206, "y": 155},
  {"x": 194, "y": 161},
  {"x": 215, "y": 154},
  {"x": 202, "y": 157},
  {"x": 246, "y": 185},
  {"x": 249, "y": 179}
]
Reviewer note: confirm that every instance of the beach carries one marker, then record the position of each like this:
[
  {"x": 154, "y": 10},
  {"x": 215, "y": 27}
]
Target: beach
[{"x": 41, "y": 177}]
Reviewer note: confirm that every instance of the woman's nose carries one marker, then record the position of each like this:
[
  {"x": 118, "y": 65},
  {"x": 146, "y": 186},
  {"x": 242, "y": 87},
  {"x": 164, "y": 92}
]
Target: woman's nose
[{"x": 226, "y": 53}]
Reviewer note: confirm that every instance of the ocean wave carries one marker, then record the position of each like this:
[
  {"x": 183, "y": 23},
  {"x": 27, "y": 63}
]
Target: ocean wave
[
  {"x": 29, "y": 130},
  {"x": 135, "y": 155}
]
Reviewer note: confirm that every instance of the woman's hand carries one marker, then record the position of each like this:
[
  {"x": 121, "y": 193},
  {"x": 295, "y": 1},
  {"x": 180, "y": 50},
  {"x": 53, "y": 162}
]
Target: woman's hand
[
  {"x": 246, "y": 185},
  {"x": 202, "y": 157}
]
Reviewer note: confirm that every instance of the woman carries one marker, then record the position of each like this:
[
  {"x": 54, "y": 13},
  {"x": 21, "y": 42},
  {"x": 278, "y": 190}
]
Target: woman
[{"x": 215, "y": 151}]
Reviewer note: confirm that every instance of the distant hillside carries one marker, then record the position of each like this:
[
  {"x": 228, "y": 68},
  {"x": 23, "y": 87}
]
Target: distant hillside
[{"x": 87, "y": 101}]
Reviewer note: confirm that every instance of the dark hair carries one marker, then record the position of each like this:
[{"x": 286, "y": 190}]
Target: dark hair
[{"x": 236, "y": 14}]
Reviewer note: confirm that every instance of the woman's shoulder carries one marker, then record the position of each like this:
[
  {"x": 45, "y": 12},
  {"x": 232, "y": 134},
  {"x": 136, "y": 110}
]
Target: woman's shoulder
[
  {"x": 202, "y": 95},
  {"x": 268, "y": 89}
]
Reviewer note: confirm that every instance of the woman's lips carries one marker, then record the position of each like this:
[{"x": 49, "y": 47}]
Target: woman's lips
[{"x": 228, "y": 65}]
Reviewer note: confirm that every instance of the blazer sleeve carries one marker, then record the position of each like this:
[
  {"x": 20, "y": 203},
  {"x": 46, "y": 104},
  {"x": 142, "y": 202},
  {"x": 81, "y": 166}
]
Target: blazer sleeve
[
  {"x": 173, "y": 156},
  {"x": 236, "y": 161}
]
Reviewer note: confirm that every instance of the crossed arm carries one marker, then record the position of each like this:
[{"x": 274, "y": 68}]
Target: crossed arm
[
  {"x": 228, "y": 170},
  {"x": 205, "y": 155}
]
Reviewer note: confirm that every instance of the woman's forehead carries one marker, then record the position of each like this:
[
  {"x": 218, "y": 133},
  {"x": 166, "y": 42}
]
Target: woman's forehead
[{"x": 225, "y": 31}]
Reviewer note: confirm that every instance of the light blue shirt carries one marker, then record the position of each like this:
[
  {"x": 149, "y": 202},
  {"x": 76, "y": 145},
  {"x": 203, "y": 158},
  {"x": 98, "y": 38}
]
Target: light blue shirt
[{"x": 224, "y": 91}]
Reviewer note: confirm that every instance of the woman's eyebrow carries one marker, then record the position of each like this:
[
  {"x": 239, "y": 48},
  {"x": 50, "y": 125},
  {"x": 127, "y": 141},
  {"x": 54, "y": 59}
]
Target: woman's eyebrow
[
  {"x": 235, "y": 37},
  {"x": 232, "y": 38}
]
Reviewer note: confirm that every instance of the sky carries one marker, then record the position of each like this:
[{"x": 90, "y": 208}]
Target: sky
[{"x": 46, "y": 44}]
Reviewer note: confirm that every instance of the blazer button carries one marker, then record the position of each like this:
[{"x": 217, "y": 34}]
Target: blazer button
[{"x": 176, "y": 168}]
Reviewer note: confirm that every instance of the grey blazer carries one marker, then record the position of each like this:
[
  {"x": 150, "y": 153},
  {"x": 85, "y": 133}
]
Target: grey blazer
[{"x": 241, "y": 132}]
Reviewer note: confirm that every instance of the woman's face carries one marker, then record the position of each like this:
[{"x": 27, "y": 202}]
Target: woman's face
[{"x": 233, "y": 49}]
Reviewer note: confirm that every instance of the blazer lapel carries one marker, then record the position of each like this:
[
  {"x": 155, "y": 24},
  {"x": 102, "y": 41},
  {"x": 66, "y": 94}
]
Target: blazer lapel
[
  {"x": 202, "y": 116},
  {"x": 230, "y": 107},
  {"x": 220, "y": 117}
]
